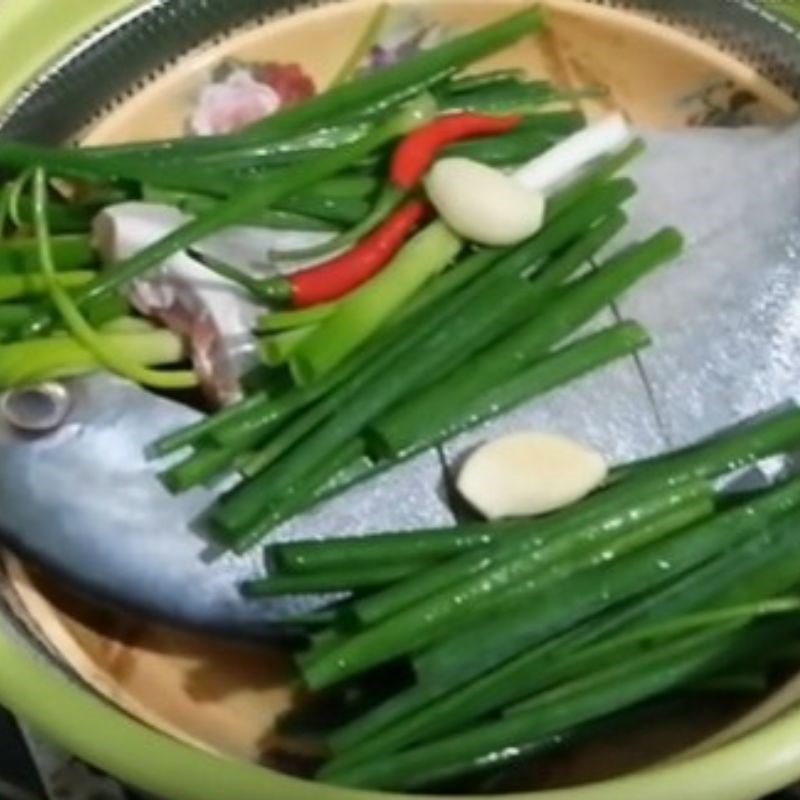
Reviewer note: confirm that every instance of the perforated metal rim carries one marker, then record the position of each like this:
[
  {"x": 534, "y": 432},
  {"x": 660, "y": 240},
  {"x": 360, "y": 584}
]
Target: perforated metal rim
[
  {"x": 117, "y": 58},
  {"x": 745, "y": 29}
]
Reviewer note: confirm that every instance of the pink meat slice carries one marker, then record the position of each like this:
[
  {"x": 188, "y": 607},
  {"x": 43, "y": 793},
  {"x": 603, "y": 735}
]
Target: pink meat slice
[{"x": 214, "y": 315}]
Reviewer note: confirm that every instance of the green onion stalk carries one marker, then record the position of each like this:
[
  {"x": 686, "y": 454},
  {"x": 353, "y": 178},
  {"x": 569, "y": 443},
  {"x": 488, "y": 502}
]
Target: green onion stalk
[{"x": 101, "y": 348}]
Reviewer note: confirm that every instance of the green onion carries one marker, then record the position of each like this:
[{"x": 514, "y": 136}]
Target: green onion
[
  {"x": 565, "y": 225},
  {"x": 236, "y": 275},
  {"x": 60, "y": 356},
  {"x": 14, "y": 315},
  {"x": 357, "y": 402},
  {"x": 225, "y": 156},
  {"x": 360, "y": 314},
  {"x": 15, "y": 287},
  {"x": 726, "y": 574},
  {"x": 459, "y": 275},
  {"x": 15, "y": 194},
  {"x": 21, "y": 255},
  {"x": 743, "y": 447},
  {"x": 63, "y": 218},
  {"x": 618, "y": 649},
  {"x": 363, "y": 46},
  {"x": 428, "y": 320},
  {"x": 347, "y": 186},
  {"x": 337, "y": 210},
  {"x": 510, "y": 98},
  {"x": 345, "y": 581},
  {"x": 77, "y": 325},
  {"x": 367, "y": 551},
  {"x": 280, "y": 321},
  {"x": 503, "y": 151},
  {"x": 6, "y": 196},
  {"x": 202, "y": 468},
  {"x": 369, "y": 95},
  {"x": 71, "y": 163},
  {"x": 565, "y": 365},
  {"x": 277, "y": 350},
  {"x": 753, "y": 681},
  {"x": 328, "y": 478},
  {"x": 194, "y": 204},
  {"x": 240, "y": 517},
  {"x": 244, "y": 204},
  {"x": 209, "y": 463},
  {"x": 430, "y": 708},
  {"x": 418, "y": 348},
  {"x": 583, "y": 700},
  {"x": 283, "y": 441},
  {"x": 202, "y": 428},
  {"x": 511, "y": 564},
  {"x": 456, "y": 661},
  {"x": 595, "y": 177},
  {"x": 406, "y": 425},
  {"x": 527, "y": 256},
  {"x": 387, "y": 204},
  {"x": 230, "y": 151},
  {"x": 535, "y": 671},
  {"x": 264, "y": 415},
  {"x": 466, "y": 83}
]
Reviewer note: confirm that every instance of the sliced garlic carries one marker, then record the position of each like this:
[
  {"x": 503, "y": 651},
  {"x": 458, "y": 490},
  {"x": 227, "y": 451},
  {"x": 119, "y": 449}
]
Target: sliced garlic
[
  {"x": 526, "y": 474},
  {"x": 483, "y": 204}
]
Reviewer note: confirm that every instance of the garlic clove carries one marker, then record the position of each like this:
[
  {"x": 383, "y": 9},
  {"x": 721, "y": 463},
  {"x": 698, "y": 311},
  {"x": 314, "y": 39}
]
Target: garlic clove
[
  {"x": 526, "y": 474},
  {"x": 483, "y": 204}
]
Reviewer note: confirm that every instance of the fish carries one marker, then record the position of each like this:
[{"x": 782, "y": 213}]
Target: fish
[
  {"x": 83, "y": 500},
  {"x": 80, "y": 497}
]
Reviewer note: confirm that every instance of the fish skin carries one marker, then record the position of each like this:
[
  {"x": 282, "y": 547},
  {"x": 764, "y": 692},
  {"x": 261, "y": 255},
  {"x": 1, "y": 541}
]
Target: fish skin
[{"x": 85, "y": 502}]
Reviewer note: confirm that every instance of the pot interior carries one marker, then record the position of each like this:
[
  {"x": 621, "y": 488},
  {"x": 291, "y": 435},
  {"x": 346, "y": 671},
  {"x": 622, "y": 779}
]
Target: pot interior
[{"x": 223, "y": 696}]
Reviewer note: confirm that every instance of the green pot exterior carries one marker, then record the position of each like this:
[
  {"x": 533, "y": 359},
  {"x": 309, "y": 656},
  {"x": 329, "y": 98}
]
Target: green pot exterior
[
  {"x": 91, "y": 729},
  {"x": 34, "y": 32},
  {"x": 789, "y": 10}
]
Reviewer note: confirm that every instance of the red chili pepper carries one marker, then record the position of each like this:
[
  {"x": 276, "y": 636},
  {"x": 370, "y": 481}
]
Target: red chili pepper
[
  {"x": 417, "y": 152},
  {"x": 339, "y": 276}
]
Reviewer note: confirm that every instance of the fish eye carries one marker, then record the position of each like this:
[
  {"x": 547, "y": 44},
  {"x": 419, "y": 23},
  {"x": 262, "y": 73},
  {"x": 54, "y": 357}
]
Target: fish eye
[{"x": 36, "y": 409}]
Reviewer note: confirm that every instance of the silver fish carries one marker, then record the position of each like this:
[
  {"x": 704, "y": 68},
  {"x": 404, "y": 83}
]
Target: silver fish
[{"x": 85, "y": 502}]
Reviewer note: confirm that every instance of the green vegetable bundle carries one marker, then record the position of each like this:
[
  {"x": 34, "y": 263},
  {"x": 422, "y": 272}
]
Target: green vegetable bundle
[
  {"x": 514, "y": 309},
  {"x": 521, "y": 634},
  {"x": 315, "y": 166}
]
